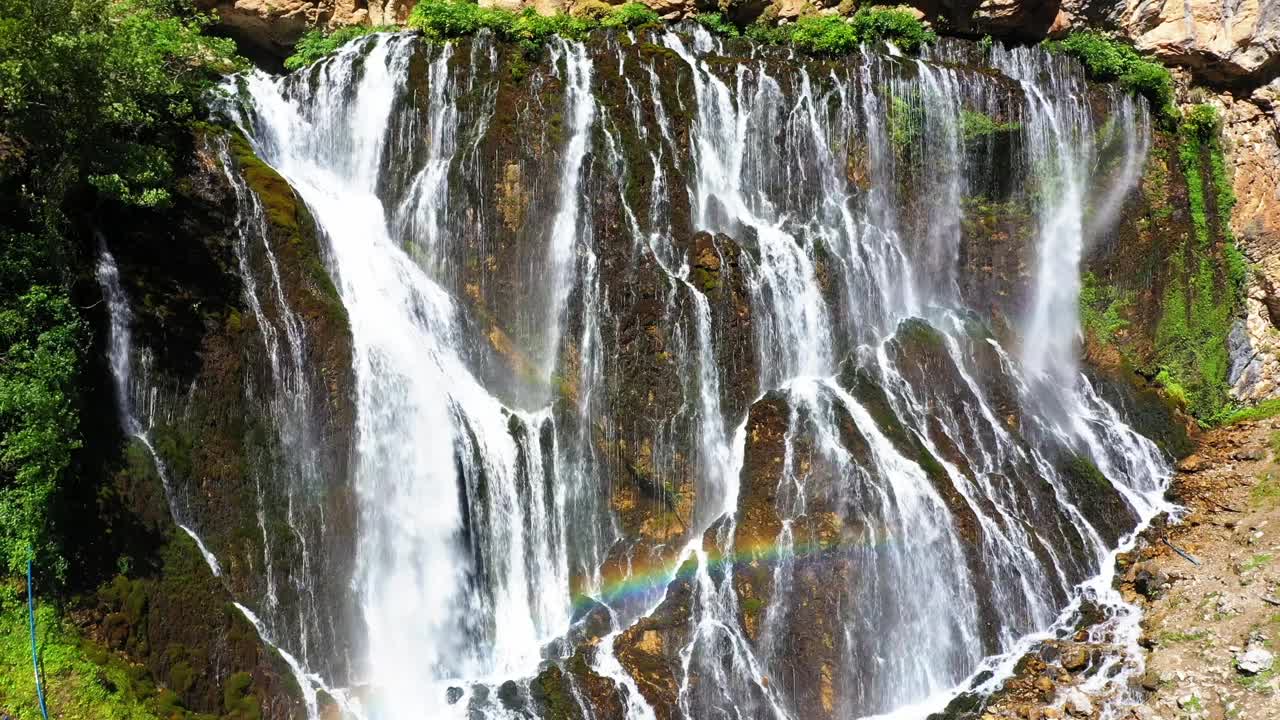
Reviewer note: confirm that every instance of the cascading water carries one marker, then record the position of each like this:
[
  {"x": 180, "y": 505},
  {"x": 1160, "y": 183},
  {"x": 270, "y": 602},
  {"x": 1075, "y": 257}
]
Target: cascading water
[{"x": 582, "y": 298}]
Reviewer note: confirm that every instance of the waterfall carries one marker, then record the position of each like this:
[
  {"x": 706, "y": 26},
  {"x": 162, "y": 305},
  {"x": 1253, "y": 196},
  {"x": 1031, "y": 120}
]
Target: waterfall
[{"x": 577, "y": 287}]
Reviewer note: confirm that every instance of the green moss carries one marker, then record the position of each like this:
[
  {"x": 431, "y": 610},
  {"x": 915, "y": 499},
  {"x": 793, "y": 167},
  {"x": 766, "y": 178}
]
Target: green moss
[
  {"x": 1102, "y": 308},
  {"x": 905, "y": 121},
  {"x": 1266, "y": 493},
  {"x": 288, "y": 217},
  {"x": 237, "y": 700},
  {"x": 553, "y": 696},
  {"x": 975, "y": 125},
  {"x": 1207, "y": 276},
  {"x": 1086, "y": 473},
  {"x": 83, "y": 680}
]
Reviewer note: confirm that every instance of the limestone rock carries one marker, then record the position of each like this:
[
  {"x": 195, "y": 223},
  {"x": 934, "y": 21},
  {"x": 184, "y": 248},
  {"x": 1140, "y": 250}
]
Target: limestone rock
[
  {"x": 273, "y": 26},
  {"x": 1254, "y": 660},
  {"x": 1078, "y": 704},
  {"x": 1222, "y": 42},
  {"x": 1251, "y": 139}
]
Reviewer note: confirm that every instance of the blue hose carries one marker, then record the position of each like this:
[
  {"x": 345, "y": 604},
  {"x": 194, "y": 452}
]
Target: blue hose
[{"x": 35, "y": 658}]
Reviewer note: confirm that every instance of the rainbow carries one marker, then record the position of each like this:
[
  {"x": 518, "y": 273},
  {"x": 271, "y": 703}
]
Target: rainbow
[{"x": 645, "y": 578}]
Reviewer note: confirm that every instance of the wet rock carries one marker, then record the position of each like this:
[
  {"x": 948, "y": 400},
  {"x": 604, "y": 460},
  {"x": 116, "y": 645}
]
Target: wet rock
[
  {"x": 1078, "y": 704},
  {"x": 1045, "y": 687},
  {"x": 1254, "y": 660},
  {"x": 510, "y": 696},
  {"x": 1141, "y": 712},
  {"x": 453, "y": 695},
  {"x": 1075, "y": 658}
]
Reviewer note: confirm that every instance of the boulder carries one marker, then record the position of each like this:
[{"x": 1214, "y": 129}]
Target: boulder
[
  {"x": 1078, "y": 704},
  {"x": 1255, "y": 659}
]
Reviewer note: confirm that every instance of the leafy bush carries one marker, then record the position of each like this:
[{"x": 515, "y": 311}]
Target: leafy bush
[
  {"x": 768, "y": 34},
  {"x": 896, "y": 25},
  {"x": 444, "y": 20},
  {"x": 834, "y": 35},
  {"x": 825, "y": 35},
  {"x": 96, "y": 97},
  {"x": 630, "y": 15},
  {"x": 315, "y": 44},
  {"x": 448, "y": 19},
  {"x": 1106, "y": 59},
  {"x": 717, "y": 24}
]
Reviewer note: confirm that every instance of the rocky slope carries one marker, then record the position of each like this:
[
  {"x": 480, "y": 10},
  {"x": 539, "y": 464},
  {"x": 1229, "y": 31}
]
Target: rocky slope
[{"x": 1208, "y": 586}]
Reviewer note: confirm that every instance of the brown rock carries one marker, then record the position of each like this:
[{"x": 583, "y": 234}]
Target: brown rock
[
  {"x": 1075, "y": 658},
  {"x": 1192, "y": 464}
]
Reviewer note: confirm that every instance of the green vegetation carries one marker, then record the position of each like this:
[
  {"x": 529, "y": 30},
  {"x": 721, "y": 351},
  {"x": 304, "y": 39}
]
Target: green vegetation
[
  {"x": 1107, "y": 59},
  {"x": 1261, "y": 411},
  {"x": 95, "y": 99},
  {"x": 717, "y": 24},
  {"x": 83, "y": 681},
  {"x": 1197, "y": 314},
  {"x": 238, "y": 700},
  {"x": 1255, "y": 562},
  {"x": 834, "y": 35},
  {"x": 974, "y": 125},
  {"x": 824, "y": 35},
  {"x": 905, "y": 122},
  {"x": 315, "y": 44},
  {"x": 446, "y": 19},
  {"x": 1102, "y": 308},
  {"x": 1171, "y": 638},
  {"x": 1266, "y": 493}
]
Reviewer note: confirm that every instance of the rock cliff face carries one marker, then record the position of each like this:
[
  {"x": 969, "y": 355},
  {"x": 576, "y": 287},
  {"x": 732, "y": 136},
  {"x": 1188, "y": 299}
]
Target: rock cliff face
[
  {"x": 1223, "y": 43},
  {"x": 634, "y": 416},
  {"x": 273, "y": 26},
  {"x": 205, "y": 352}
]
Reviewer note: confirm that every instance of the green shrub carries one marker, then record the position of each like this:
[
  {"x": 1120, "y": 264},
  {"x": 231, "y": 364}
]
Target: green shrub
[
  {"x": 1106, "y": 59},
  {"x": 1261, "y": 411},
  {"x": 630, "y": 15},
  {"x": 896, "y": 25},
  {"x": 1202, "y": 122},
  {"x": 1102, "y": 308},
  {"x": 315, "y": 44},
  {"x": 1172, "y": 388},
  {"x": 717, "y": 24},
  {"x": 448, "y": 19},
  {"x": 833, "y": 35},
  {"x": 769, "y": 34},
  {"x": 824, "y": 35}
]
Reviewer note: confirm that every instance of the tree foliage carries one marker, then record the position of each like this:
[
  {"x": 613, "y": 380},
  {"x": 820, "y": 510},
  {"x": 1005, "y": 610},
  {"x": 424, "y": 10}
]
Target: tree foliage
[{"x": 93, "y": 96}]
